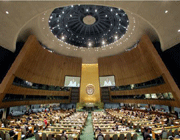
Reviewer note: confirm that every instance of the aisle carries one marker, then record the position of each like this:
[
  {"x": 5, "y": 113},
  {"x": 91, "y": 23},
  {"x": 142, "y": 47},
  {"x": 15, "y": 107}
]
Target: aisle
[{"x": 88, "y": 133}]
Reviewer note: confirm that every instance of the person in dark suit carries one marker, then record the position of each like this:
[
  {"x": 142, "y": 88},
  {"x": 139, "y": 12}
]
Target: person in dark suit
[
  {"x": 11, "y": 133},
  {"x": 147, "y": 134},
  {"x": 64, "y": 134},
  {"x": 100, "y": 134}
]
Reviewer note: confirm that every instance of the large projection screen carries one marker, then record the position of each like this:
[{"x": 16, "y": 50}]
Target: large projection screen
[
  {"x": 107, "y": 81},
  {"x": 71, "y": 81}
]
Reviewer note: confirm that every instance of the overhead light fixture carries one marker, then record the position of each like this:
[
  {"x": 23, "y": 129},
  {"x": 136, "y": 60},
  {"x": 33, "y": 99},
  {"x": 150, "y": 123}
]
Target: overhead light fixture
[
  {"x": 63, "y": 12},
  {"x": 166, "y": 11},
  {"x": 105, "y": 15},
  {"x": 103, "y": 42},
  {"x": 111, "y": 9},
  {"x": 62, "y": 37},
  {"x": 95, "y": 10},
  {"x": 89, "y": 44},
  {"x": 72, "y": 6},
  {"x": 179, "y": 30},
  {"x": 87, "y": 10},
  {"x": 70, "y": 15},
  {"x": 7, "y": 12},
  {"x": 115, "y": 37}
]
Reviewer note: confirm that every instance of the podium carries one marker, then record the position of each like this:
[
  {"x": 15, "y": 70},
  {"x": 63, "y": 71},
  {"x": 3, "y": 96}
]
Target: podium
[{"x": 89, "y": 107}]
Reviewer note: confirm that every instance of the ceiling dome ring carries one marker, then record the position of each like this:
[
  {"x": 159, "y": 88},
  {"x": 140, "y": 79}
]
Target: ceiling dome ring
[{"x": 88, "y": 25}]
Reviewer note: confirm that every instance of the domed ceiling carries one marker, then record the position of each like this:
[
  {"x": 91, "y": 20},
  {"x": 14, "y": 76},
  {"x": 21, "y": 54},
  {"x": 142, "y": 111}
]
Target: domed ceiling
[
  {"x": 92, "y": 21},
  {"x": 88, "y": 25}
]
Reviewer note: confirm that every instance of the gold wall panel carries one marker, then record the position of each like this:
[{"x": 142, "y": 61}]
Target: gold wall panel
[{"x": 89, "y": 76}]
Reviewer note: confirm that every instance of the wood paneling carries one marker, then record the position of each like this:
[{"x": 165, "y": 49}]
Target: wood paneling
[
  {"x": 156, "y": 89},
  {"x": 137, "y": 101},
  {"x": 139, "y": 65},
  {"x": 28, "y": 91},
  {"x": 41, "y": 66},
  {"x": 19, "y": 103},
  {"x": 38, "y": 65}
]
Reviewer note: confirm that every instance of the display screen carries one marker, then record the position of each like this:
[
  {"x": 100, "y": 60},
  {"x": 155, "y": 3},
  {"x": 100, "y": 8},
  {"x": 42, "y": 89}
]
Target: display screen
[
  {"x": 165, "y": 95},
  {"x": 107, "y": 81},
  {"x": 170, "y": 95},
  {"x": 148, "y": 96},
  {"x": 154, "y": 96},
  {"x": 71, "y": 81}
]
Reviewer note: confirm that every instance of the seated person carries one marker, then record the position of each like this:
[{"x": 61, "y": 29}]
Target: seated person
[
  {"x": 53, "y": 137},
  {"x": 64, "y": 134},
  {"x": 100, "y": 134},
  {"x": 97, "y": 129},
  {"x": 17, "y": 126},
  {"x": 12, "y": 134},
  {"x": 158, "y": 137},
  {"x": 116, "y": 126},
  {"x": 112, "y": 130},
  {"x": 147, "y": 134},
  {"x": 75, "y": 130}
]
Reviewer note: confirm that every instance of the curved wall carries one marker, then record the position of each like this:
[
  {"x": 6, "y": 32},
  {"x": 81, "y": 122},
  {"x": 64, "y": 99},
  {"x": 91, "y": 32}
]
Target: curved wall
[
  {"x": 40, "y": 66},
  {"x": 139, "y": 65}
]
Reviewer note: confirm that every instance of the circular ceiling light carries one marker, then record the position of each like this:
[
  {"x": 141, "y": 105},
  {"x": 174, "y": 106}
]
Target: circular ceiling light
[
  {"x": 89, "y": 20},
  {"x": 81, "y": 23}
]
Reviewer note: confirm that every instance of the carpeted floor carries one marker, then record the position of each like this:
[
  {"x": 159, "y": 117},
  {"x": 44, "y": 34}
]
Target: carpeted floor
[{"x": 87, "y": 133}]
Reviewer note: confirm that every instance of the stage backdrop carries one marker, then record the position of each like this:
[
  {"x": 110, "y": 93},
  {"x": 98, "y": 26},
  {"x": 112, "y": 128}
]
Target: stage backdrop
[{"x": 89, "y": 90}]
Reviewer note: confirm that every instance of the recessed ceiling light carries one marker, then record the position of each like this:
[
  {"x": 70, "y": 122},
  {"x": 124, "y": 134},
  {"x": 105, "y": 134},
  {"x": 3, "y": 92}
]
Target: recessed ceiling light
[
  {"x": 89, "y": 44},
  {"x": 179, "y": 30},
  {"x": 62, "y": 37},
  {"x": 116, "y": 37},
  {"x": 166, "y": 11},
  {"x": 7, "y": 12},
  {"x": 103, "y": 42}
]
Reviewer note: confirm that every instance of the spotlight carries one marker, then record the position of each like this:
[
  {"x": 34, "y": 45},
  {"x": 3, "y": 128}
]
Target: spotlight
[
  {"x": 89, "y": 44},
  {"x": 7, "y": 12},
  {"x": 103, "y": 42},
  {"x": 62, "y": 37},
  {"x": 115, "y": 37},
  {"x": 166, "y": 11}
]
